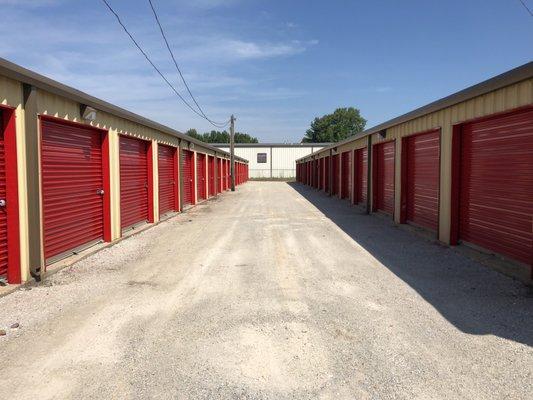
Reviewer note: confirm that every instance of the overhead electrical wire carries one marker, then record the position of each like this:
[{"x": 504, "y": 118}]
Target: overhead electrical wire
[
  {"x": 177, "y": 66},
  {"x": 217, "y": 125},
  {"x": 526, "y": 7}
]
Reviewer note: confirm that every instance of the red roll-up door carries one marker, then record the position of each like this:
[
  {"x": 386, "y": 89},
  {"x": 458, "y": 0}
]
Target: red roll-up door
[
  {"x": 201, "y": 175},
  {"x": 211, "y": 176},
  {"x": 226, "y": 183},
  {"x": 345, "y": 172},
  {"x": 321, "y": 174},
  {"x": 188, "y": 177},
  {"x": 167, "y": 173},
  {"x": 133, "y": 181},
  {"x": 384, "y": 177},
  {"x": 336, "y": 178},
  {"x": 496, "y": 188},
  {"x": 422, "y": 174},
  {"x": 3, "y": 211},
  {"x": 219, "y": 175},
  {"x": 361, "y": 175},
  {"x": 72, "y": 186},
  {"x": 326, "y": 174}
]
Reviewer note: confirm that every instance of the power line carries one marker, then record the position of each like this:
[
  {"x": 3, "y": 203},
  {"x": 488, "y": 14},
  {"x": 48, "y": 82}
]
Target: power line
[
  {"x": 526, "y": 7},
  {"x": 177, "y": 66},
  {"x": 152, "y": 64}
]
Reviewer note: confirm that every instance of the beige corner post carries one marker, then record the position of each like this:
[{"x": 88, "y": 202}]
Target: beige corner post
[
  {"x": 114, "y": 182},
  {"x": 155, "y": 172}
]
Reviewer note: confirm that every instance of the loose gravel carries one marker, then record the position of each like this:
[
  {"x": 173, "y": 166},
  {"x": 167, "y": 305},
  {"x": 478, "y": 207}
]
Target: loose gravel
[{"x": 272, "y": 292}]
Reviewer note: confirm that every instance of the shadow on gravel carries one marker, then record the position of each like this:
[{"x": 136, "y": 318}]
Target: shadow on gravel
[{"x": 474, "y": 298}]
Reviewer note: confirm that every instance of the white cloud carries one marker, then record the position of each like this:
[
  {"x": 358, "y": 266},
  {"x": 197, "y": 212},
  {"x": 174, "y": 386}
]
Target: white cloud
[
  {"x": 216, "y": 62},
  {"x": 30, "y": 3}
]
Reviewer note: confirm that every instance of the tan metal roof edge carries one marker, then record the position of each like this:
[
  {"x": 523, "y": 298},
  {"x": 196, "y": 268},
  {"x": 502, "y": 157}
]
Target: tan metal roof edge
[
  {"x": 510, "y": 77},
  {"x": 24, "y": 75}
]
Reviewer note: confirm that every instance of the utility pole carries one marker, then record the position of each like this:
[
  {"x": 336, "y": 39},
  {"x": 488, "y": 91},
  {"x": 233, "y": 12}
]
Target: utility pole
[{"x": 232, "y": 151}]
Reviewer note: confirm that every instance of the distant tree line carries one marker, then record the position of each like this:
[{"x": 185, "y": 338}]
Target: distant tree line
[
  {"x": 221, "y": 137},
  {"x": 341, "y": 124}
]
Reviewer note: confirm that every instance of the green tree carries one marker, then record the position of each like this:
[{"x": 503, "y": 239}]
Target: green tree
[
  {"x": 244, "y": 138},
  {"x": 194, "y": 134},
  {"x": 221, "y": 137},
  {"x": 343, "y": 123}
]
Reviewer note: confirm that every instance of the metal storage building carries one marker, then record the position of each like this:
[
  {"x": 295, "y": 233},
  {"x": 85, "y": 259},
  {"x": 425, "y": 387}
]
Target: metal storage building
[
  {"x": 76, "y": 170},
  {"x": 272, "y": 160},
  {"x": 461, "y": 167}
]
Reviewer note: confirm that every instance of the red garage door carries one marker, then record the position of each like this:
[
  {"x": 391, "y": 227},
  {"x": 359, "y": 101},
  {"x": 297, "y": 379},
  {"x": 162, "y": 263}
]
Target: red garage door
[
  {"x": 321, "y": 174},
  {"x": 72, "y": 186},
  {"x": 496, "y": 187},
  {"x": 187, "y": 168},
  {"x": 226, "y": 173},
  {"x": 361, "y": 175},
  {"x": 133, "y": 181},
  {"x": 219, "y": 175},
  {"x": 211, "y": 175},
  {"x": 200, "y": 175},
  {"x": 3, "y": 211},
  {"x": 336, "y": 178},
  {"x": 168, "y": 179},
  {"x": 420, "y": 182},
  {"x": 326, "y": 174},
  {"x": 345, "y": 174},
  {"x": 384, "y": 177}
]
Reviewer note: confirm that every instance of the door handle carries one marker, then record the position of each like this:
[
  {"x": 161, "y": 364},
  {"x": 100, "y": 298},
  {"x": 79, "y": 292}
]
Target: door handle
[
  {"x": 2, "y": 203},
  {"x": 100, "y": 192}
]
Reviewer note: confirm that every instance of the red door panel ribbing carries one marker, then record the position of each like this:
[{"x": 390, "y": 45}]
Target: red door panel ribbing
[
  {"x": 188, "y": 177},
  {"x": 326, "y": 173},
  {"x": 133, "y": 181},
  {"x": 167, "y": 178},
  {"x": 496, "y": 185},
  {"x": 200, "y": 176},
  {"x": 336, "y": 180},
  {"x": 384, "y": 163},
  {"x": 3, "y": 210},
  {"x": 72, "y": 186},
  {"x": 422, "y": 186},
  {"x": 211, "y": 175},
  {"x": 361, "y": 175},
  {"x": 345, "y": 171},
  {"x": 219, "y": 175}
]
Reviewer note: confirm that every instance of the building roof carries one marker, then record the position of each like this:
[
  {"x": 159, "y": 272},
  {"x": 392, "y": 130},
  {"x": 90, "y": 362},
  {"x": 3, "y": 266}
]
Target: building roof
[
  {"x": 515, "y": 75},
  {"x": 21, "y": 74}
]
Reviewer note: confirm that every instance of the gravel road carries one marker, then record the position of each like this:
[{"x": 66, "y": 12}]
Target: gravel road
[{"x": 272, "y": 292}]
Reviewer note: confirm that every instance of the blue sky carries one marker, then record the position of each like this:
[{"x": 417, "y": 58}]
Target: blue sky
[{"x": 274, "y": 64}]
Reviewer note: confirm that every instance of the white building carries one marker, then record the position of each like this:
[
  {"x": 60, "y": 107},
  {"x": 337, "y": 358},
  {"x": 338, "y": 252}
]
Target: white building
[{"x": 272, "y": 160}]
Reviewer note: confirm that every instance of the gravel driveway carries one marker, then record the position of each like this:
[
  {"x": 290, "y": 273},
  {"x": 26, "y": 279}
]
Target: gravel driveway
[{"x": 272, "y": 292}]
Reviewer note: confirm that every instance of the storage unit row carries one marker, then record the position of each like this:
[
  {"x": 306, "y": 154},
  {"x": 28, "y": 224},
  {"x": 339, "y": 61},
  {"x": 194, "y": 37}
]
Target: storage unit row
[
  {"x": 461, "y": 167},
  {"x": 75, "y": 170}
]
